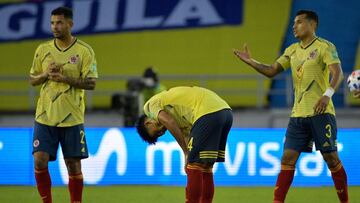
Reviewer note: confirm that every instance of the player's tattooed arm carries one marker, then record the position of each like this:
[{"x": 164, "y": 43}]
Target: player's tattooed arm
[
  {"x": 81, "y": 83},
  {"x": 38, "y": 79}
]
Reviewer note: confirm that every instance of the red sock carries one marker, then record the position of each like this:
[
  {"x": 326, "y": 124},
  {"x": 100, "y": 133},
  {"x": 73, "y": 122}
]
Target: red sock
[
  {"x": 43, "y": 183},
  {"x": 283, "y": 183},
  {"x": 340, "y": 180},
  {"x": 194, "y": 184},
  {"x": 207, "y": 193},
  {"x": 76, "y": 184}
]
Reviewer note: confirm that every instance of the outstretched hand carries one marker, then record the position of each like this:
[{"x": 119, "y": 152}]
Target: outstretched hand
[{"x": 243, "y": 55}]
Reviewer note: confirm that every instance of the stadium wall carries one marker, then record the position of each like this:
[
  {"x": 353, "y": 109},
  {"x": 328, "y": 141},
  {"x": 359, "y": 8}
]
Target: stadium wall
[{"x": 118, "y": 156}]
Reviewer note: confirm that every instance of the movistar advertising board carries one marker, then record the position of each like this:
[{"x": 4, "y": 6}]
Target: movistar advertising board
[{"x": 118, "y": 156}]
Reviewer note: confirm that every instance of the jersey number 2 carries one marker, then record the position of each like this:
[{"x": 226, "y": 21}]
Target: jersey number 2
[{"x": 82, "y": 136}]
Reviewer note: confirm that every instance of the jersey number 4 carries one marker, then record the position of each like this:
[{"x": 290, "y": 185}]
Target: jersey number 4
[{"x": 190, "y": 144}]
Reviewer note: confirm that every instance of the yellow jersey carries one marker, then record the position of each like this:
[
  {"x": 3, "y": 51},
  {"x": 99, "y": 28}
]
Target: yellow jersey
[
  {"x": 149, "y": 92},
  {"x": 60, "y": 104},
  {"x": 185, "y": 105},
  {"x": 310, "y": 73}
]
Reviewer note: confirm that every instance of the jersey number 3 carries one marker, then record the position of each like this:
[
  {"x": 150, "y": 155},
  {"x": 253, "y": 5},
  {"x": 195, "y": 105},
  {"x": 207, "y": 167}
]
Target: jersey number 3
[{"x": 328, "y": 128}]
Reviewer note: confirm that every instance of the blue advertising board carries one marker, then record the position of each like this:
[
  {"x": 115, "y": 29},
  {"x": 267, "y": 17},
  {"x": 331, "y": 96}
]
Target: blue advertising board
[
  {"x": 32, "y": 20},
  {"x": 119, "y": 156}
]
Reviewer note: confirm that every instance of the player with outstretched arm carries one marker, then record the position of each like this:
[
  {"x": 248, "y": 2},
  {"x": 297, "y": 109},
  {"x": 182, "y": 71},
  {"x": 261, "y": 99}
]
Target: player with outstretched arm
[{"x": 312, "y": 61}]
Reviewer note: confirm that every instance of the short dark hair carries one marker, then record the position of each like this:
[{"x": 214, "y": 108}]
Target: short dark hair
[
  {"x": 310, "y": 15},
  {"x": 67, "y": 12},
  {"x": 142, "y": 131}
]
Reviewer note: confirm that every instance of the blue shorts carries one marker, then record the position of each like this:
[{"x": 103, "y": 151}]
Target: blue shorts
[
  {"x": 303, "y": 132},
  {"x": 72, "y": 139},
  {"x": 208, "y": 137}
]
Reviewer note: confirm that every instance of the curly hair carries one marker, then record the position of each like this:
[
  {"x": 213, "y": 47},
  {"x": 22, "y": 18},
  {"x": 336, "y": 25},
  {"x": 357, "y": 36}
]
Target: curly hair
[{"x": 142, "y": 131}]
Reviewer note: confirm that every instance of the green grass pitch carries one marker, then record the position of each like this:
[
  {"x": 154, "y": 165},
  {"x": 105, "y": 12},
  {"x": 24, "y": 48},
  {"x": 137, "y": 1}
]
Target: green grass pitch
[{"x": 162, "y": 194}]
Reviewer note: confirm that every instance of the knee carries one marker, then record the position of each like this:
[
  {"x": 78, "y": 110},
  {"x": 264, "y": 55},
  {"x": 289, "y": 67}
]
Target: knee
[
  {"x": 40, "y": 161},
  {"x": 289, "y": 158},
  {"x": 288, "y": 162},
  {"x": 73, "y": 166},
  {"x": 331, "y": 160}
]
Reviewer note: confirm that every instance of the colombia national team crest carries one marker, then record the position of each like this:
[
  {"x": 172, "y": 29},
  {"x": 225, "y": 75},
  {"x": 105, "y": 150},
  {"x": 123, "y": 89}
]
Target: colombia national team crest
[
  {"x": 313, "y": 54},
  {"x": 74, "y": 59}
]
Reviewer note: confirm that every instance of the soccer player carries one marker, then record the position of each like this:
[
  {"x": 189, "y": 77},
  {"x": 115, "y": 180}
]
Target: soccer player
[
  {"x": 64, "y": 67},
  {"x": 200, "y": 121},
  {"x": 312, "y": 60}
]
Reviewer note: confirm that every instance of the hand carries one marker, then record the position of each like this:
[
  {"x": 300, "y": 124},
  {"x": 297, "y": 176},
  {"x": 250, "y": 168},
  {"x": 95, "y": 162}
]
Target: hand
[
  {"x": 54, "y": 68},
  {"x": 49, "y": 69},
  {"x": 320, "y": 106},
  {"x": 54, "y": 72},
  {"x": 243, "y": 55},
  {"x": 57, "y": 77},
  {"x": 356, "y": 93}
]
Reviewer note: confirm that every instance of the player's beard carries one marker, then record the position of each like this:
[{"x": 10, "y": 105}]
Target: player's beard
[{"x": 59, "y": 36}]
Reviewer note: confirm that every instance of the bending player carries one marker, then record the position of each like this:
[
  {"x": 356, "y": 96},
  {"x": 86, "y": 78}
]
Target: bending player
[{"x": 200, "y": 121}]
